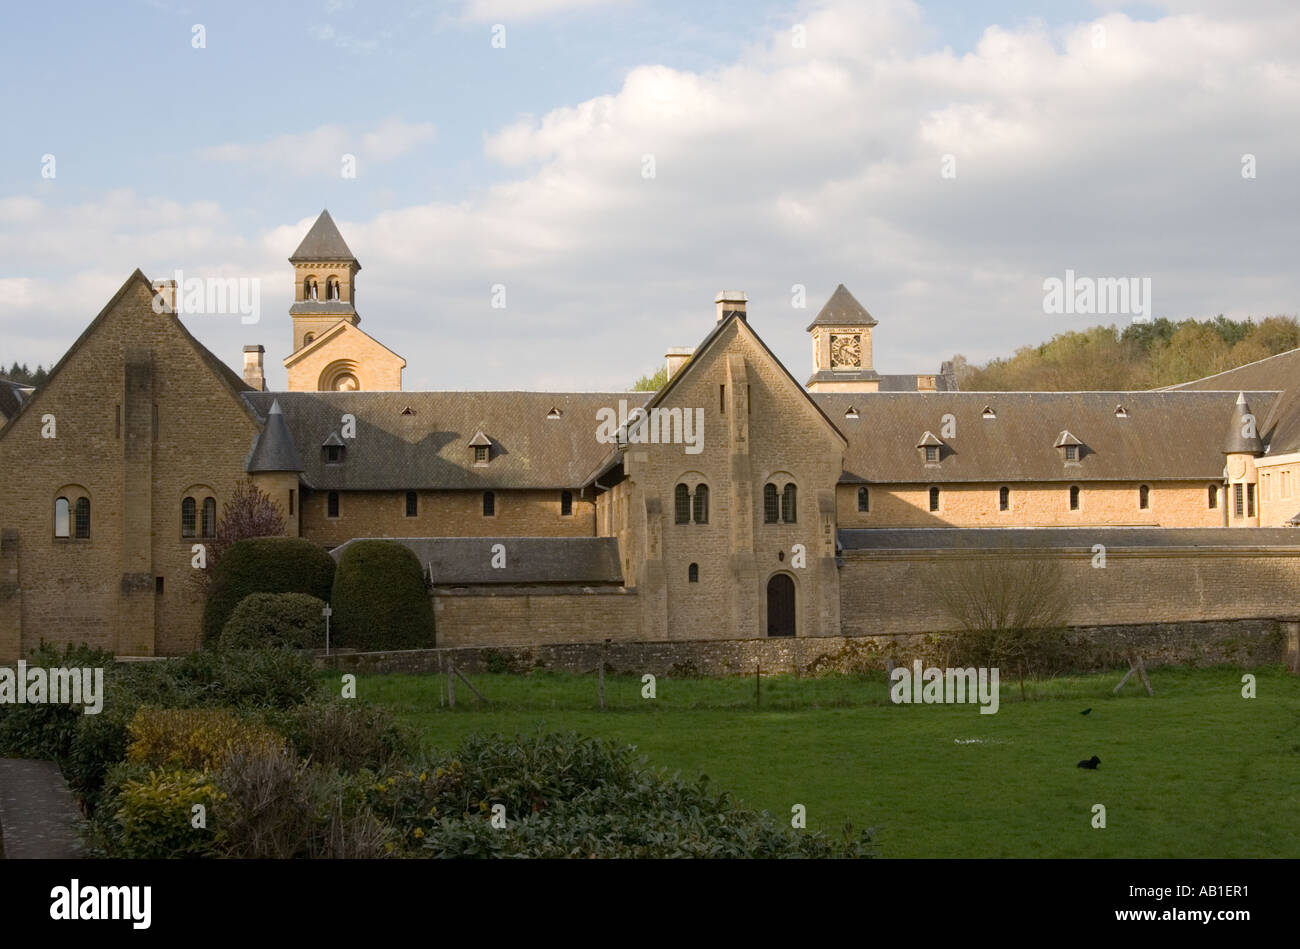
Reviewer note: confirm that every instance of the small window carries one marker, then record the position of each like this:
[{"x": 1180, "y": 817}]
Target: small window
[
  {"x": 480, "y": 454},
  {"x": 1121, "y": 412},
  {"x": 931, "y": 454},
  {"x": 412, "y": 503},
  {"x": 408, "y": 411},
  {"x": 332, "y": 504},
  {"x": 291, "y": 493},
  {"x": 489, "y": 504},
  {"x": 1071, "y": 452},
  {"x": 566, "y": 503},
  {"x": 681, "y": 504},
  {"x": 333, "y": 454},
  {"x": 1144, "y": 497},
  {"x": 62, "y": 519},
  {"x": 851, "y": 413},
  {"x": 189, "y": 517},
  {"x": 771, "y": 505},
  {"x": 309, "y": 288},
  {"x": 117, "y": 420},
  {"x": 1074, "y": 497},
  {"x": 934, "y": 499},
  {"x": 1238, "y": 507},
  {"x": 701, "y": 505},
  {"x": 209, "y": 524},
  {"x": 332, "y": 288},
  {"x": 1004, "y": 499},
  {"x": 790, "y": 504},
  {"x": 554, "y": 413},
  {"x": 864, "y": 500},
  {"x": 158, "y": 585},
  {"x": 1250, "y": 505},
  {"x": 1212, "y": 496},
  {"x": 722, "y": 399},
  {"x": 81, "y": 518},
  {"x": 988, "y": 412},
  {"x": 693, "y": 573},
  {"x": 309, "y": 339}
]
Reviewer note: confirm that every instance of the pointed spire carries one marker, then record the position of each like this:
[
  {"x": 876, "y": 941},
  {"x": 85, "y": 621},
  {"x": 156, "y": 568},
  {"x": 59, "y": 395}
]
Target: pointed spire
[
  {"x": 1243, "y": 436},
  {"x": 323, "y": 242},
  {"x": 842, "y": 310},
  {"x": 275, "y": 450}
]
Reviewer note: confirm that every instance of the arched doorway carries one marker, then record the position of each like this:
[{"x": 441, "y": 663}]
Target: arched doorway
[{"x": 780, "y": 605}]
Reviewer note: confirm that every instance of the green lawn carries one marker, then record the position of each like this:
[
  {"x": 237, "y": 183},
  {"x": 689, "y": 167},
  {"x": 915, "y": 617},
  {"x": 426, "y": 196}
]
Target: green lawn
[{"x": 1196, "y": 771}]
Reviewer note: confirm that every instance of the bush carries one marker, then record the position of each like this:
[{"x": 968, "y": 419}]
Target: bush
[
  {"x": 194, "y": 739},
  {"x": 154, "y": 816},
  {"x": 380, "y": 599},
  {"x": 47, "y": 729},
  {"x": 275, "y": 621},
  {"x": 346, "y": 735},
  {"x": 259, "y": 678},
  {"x": 264, "y": 565}
]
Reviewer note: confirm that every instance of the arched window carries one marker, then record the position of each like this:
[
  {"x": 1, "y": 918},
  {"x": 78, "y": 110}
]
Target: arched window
[
  {"x": 1004, "y": 499},
  {"x": 489, "y": 504},
  {"x": 1074, "y": 497},
  {"x": 1212, "y": 495},
  {"x": 309, "y": 288},
  {"x": 412, "y": 504},
  {"x": 681, "y": 504},
  {"x": 61, "y": 517},
  {"x": 864, "y": 500},
  {"x": 332, "y": 288},
  {"x": 81, "y": 518},
  {"x": 309, "y": 339},
  {"x": 566, "y": 503},
  {"x": 771, "y": 507},
  {"x": 332, "y": 504},
  {"x": 1144, "y": 497},
  {"x": 702, "y": 504},
  {"x": 209, "y": 517},
  {"x": 789, "y": 499},
  {"x": 189, "y": 517},
  {"x": 934, "y": 499},
  {"x": 693, "y": 573}
]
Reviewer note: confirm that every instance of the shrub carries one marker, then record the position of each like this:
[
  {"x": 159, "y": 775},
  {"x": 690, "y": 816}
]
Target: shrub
[
  {"x": 264, "y": 565},
  {"x": 270, "y": 678},
  {"x": 194, "y": 739},
  {"x": 380, "y": 599},
  {"x": 275, "y": 621},
  {"x": 47, "y": 729},
  {"x": 154, "y": 816},
  {"x": 347, "y": 735}
]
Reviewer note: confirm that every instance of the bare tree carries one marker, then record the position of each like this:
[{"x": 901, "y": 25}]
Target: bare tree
[{"x": 250, "y": 512}]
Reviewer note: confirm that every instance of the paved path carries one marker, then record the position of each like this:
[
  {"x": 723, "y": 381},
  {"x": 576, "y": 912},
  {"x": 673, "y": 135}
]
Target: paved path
[{"x": 38, "y": 817}]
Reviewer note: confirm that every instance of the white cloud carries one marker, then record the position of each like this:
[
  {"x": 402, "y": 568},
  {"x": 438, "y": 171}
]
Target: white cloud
[
  {"x": 319, "y": 151},
  {"x": 496, "y": 11}
]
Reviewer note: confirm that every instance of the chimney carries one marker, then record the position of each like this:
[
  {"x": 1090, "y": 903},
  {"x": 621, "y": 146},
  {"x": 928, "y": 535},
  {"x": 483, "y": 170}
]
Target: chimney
[
  {"x": 926, "y": 384},
  {"x": 729, "y": 302},
  {"x": 253, "y": 373},
  {"x": 676, "y": 358},
  {"x": 164, "y": 292}
]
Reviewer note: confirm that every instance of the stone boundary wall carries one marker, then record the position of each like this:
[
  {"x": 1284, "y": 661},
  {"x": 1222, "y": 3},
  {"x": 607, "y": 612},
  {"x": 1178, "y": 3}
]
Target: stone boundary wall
[{"x": 1246, "y": 643}]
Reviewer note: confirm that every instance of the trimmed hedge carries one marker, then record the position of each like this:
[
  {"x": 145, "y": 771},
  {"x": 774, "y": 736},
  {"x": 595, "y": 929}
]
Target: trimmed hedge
[
  {"x": 275, "y": 621},
  {"x": 264, "y": 565},
  {"x": 380, "y": 599}
]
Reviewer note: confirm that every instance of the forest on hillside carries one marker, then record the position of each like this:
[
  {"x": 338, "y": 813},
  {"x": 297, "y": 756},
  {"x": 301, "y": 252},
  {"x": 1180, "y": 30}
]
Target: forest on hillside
[
  {"x": 1140, "y": 356},
  {"x": 22, "y": 374}
]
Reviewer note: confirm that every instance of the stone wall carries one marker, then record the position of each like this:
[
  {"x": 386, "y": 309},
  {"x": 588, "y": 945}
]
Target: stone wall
[
  {"x": 1243, "y": 643},
  {"x": 508, "y": 616}
]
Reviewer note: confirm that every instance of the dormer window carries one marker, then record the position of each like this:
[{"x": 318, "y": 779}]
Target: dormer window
[
  {"x": 988, "y": 412},
  {"x": 333, "y": 449},
  {"x": 851, "y": 413},
  {"x": 408, "y": 411},
  {"x": 554, "y": 413},
  {"x": 480, "y": 446},
  {"x": 1121, "y": 412},
  {"x": 1071, "y": 448},
  {"x": 930, "y": 448}
]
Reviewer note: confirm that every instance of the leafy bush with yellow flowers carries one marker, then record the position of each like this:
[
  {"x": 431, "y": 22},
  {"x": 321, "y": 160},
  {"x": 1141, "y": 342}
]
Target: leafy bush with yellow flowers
[
  {"x": 164, "y": 814},
  {"x": 195, "y": 739}
]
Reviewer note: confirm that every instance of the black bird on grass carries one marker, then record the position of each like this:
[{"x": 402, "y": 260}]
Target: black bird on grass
[
  {"x": 1085, "y": 711},
  {"x": 1091, "y": 763}
]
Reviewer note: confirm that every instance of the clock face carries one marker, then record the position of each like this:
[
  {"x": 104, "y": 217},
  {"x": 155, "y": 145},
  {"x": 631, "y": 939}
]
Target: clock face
[{"x": 846, "y": 351}]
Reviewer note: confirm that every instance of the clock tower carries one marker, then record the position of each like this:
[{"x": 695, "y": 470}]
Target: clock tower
[{"x": 841, "y": 342}]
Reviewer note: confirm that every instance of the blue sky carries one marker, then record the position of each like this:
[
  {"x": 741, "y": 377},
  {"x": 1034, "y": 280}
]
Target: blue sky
[{"x": 521, "y": 166}]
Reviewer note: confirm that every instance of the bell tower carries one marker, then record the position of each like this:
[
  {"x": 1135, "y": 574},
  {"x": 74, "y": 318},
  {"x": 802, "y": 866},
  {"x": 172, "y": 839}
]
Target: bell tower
[
  {"x": 841, "y": 344},
  {"x": 324, "y": 279}
]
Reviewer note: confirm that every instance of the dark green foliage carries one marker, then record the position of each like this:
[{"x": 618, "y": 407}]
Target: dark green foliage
[
  {"x": 566, "y": 796},
  {"x": 46, "y": 730},
  {"x": 275, "y": 621},
  {"x": 346, "y": 735},
  {"x": 380, "y": 598},
  {"x": 264, "y": 565},
  {"x": 250, "y": 677}
]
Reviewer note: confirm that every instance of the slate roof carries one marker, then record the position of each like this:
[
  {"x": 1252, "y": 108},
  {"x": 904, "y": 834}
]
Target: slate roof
[
  {"x": 1279, "y": 426},
  {"x": 1166, "y": 436},
  {"x": 1239, "y": 439},
  {"x": 842, "y": 310},
  {"x": 323, "y": 242},
  {"x": 12, "y": 396},
  {"x": 453, "y": 561},
  {"x": 275, "y": 450},
  {"x": 338, "y": 308},
  {"x": 430, "y": 448},
  {"x": 1056, "y": 538}
]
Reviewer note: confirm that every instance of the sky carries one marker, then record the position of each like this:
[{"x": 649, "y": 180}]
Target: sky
[{"x": 613, "y": 164}]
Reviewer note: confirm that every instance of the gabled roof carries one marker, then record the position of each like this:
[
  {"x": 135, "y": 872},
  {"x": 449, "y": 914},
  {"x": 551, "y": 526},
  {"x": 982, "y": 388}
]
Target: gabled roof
[
  {"x": 480, "y": 440},
  {"x": 1064, "y": 538},
  {"x": 1168, "y": 436},
  {"x": 323, "y": 242},
  {"x": 842, "y": 310},
  {"x": 929, "y": 440},
  {"x": 1065, "y": 438},
  {"x": 332, "y": 332},
  {"x": 426, "y": 450}
]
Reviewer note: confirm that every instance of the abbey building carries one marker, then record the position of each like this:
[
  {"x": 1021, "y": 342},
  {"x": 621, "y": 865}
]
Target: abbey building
[{"x": 736, "y": 502}]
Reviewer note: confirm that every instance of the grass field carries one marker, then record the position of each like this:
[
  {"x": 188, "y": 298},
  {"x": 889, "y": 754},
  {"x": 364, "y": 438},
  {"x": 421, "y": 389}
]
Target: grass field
[{"x": 1195, "y": 771}]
